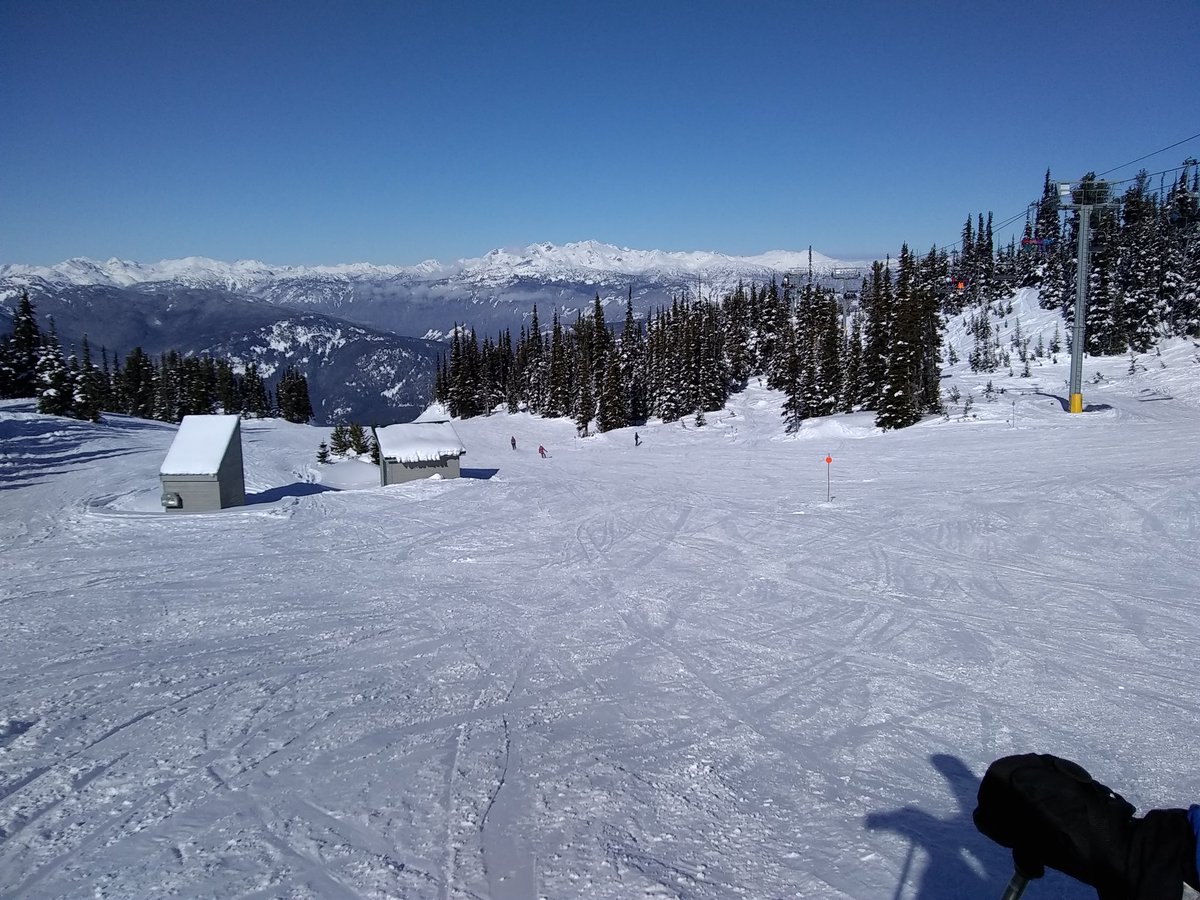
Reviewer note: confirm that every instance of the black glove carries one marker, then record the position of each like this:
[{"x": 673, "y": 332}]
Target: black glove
[{"x": 1051, "y": 812}]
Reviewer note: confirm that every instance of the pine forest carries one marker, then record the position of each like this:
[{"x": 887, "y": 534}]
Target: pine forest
[
  {"x": 880, "y": 350},
  {"x": 32, "y": 364}
]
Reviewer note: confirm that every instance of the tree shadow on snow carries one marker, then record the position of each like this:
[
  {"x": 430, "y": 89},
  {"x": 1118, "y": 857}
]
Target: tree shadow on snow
[
  {"x": 483, "y": 474},
  {"x": 958, "y": 860},
  {"x": 31, "y": 449},
  {"x": 296, "y": 489}
]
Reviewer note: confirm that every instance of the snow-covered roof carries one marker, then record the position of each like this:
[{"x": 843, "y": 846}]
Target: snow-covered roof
[
  {"x": 419, "y": 442},
  {"x": 436, "y": 412},
  {"x": 200, "y": 445}
]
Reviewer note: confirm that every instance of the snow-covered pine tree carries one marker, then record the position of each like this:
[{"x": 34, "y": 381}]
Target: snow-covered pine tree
[
  {"x": 558, "y": 402},
  {"x": 852, "y": 381},
  {"x": 632, "y": 362},
  {"x": 1107, "y": 328},
  {"x": 735, "y": 310},
  {"x": 930, "y": 274},
  {"x": 53, "y": 386},
  {"x": 790, "y": 377},
  {"x": 877, "y": 309},
  {"x": 613, "y": 410},
  {"x": 585, "y": 405},
  {"x": 21, "y": 351},
  {"x": 90, "y": 394},
  {"x": 830, "y": 347},
  {"x": 770, "y": 326},
  {"x": 989, "y": 286},
  {"x": 900, "y": 398},
  {"x": 1140, "y": 265}
]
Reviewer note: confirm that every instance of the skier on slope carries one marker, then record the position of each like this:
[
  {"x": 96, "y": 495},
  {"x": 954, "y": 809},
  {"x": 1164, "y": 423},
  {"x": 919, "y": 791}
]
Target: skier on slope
[
  {"x": 513, "y": 439},
  {"x": 541, "y": 451},
  {"x": 637, "y": 441}
]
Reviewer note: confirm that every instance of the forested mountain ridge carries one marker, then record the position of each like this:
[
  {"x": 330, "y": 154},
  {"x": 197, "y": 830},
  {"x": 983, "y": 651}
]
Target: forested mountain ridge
[{"x": 832, "y": 335}]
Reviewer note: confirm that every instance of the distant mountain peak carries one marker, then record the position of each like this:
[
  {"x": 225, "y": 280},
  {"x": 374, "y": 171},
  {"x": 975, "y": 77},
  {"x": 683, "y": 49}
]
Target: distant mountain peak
[{"x": 584, "y": 259}]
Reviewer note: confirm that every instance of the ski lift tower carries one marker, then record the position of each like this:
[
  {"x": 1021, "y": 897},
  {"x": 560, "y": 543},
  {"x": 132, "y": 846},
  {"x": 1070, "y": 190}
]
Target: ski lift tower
[{"x": 1067, "y": 200}]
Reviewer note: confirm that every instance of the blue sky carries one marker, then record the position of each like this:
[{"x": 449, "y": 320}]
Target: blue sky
[{"x": 391, "y": 132}]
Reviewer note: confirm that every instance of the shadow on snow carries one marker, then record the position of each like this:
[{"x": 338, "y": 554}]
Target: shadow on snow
[
  {"x": 1066, "y": 404},
  {"x": 959, "y": 861},
  {"x": 296, "y": 489},
  {"x": 482, "y": 474},
  {"x": 33, "y": 448}
]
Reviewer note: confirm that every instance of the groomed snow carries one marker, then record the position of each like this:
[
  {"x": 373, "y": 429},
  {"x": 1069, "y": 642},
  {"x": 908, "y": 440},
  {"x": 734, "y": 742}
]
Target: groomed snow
[
  {"x": 199, "y": 445},
  {"x": 673, "y": 670}
]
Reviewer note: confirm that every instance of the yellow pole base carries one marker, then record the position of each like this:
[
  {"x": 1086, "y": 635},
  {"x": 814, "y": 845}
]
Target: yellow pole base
[{"x": 1077, "y": 403}]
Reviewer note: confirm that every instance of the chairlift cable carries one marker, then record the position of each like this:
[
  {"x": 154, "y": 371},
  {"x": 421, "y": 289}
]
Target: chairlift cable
[
  {"x": 1148, "y": 155},
  {"x": 1009, "y": 221}
]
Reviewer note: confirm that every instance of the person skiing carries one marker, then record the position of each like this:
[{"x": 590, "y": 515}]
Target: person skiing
[
  {"x": 513, "y": 439},
  {"x": 541, "y": 451},
  {"x": 637, "y": 441}
]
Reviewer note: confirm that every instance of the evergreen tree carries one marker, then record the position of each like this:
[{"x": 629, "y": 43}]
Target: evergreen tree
[
  {"x": 791, "y": 369},
  {"x": 294, "y": 402},
  {"x": 772, "y": 315},
  {"x": 356, "y": 436},
  {"x": 1107, "y": 328},
  {"x": 930, "y": 273},
  {"x": 736, "y": 310},
  {"x": 1044, "y": 252},
  {"x": 558, "y": 399},
  {"x": 167, "y": 393},
  {"x": 613, "y": 409},
  {"x": 90, "y": 393},
  {"x": 20, "y": 352},
  {"x": 138, "y": 384},
  {"x": 585, "y": 403},
  {"x": 228, "y": 396},
  {"x": 877, "y": 307},
  {"x": 852, "y": 382},
  {"x": 829, "y": 342},
  {"x": 632, "y": 362},
  {"x": 900, "y": 398},
  {"x": 1140, "y": 266},
  {"x": 53, "y": 387},
  {"x": 255, "y": 403},
  {"x": 339, "y": 440}
]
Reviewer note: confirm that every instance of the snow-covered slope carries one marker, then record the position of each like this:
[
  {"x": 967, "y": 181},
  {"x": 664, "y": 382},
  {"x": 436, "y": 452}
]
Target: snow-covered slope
[{"x": 675, "y": 670}]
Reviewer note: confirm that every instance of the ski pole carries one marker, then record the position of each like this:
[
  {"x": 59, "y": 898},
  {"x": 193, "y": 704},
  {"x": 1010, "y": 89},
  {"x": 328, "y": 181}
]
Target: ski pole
[{"x": 1016, "y": 886}]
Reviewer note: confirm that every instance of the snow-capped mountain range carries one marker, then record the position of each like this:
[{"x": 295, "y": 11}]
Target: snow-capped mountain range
[
  {"x": 269, "y": 315},
  {"x": 575, "y": 261}
]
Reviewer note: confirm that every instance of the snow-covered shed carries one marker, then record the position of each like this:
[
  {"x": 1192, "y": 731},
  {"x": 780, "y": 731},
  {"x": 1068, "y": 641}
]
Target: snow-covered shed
[
  {"x": 203, "y": 468},
  {"x": 421, "y": 449}
]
